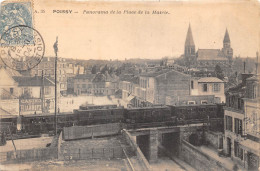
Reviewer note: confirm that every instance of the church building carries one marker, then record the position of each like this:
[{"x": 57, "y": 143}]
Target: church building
[{"x": 207, "y": 59}]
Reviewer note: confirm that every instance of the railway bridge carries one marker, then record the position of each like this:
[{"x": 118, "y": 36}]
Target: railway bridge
[{"x": 149, "y": 139}]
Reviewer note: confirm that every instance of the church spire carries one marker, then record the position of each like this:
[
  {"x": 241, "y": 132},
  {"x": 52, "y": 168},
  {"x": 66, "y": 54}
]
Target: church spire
[
  {"x": 189, "y": 39},
  {"x": 226, "y": 37},
  {"x": 189, "y": 50}
]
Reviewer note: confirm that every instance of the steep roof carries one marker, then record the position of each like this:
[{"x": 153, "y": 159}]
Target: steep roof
[
  {"x": 210, "y": 80},
  {"x": 226, "y": 37},
  {"x": 9, "y": 71},
  {"x": 35, "y": 81},
  {"x": 189, "y": 38},
  {"x": 211, "y": 54}
]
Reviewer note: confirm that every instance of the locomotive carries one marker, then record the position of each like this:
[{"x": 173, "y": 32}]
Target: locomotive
[{"x": 162, "y": 115}]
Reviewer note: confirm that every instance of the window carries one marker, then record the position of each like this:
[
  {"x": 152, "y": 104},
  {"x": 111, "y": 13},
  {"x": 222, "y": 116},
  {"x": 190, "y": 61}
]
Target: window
[
  {"x": 238, "y": 126},
  {"x": 11, "y": 90},
  {"x": 204, "y": 102},
  {"x": 229, "y": 124},
  {"x": 216, "y": 87},
  {"x": 47, "y": 90},
  {"x": 205, "y": 87},
  {"x": 238, "y": 151},
  {"x": 84, "y": 86},
  {"x": 192, "y": 85},
  {"x": 191, "y": 102}
]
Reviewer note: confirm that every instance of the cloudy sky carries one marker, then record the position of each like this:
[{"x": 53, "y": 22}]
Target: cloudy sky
[{"x": 120, "y": 36}]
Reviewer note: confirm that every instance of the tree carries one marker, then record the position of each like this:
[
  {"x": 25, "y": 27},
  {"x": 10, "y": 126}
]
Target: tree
[
  {"x": 219, "y": 73},
  {"x": 103, "y": 71}
]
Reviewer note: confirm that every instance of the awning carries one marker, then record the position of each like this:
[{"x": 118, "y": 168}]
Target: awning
[{"x": 251, "y": 146}]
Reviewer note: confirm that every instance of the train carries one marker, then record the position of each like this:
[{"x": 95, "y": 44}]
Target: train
[{"x": 132, "y": 117}]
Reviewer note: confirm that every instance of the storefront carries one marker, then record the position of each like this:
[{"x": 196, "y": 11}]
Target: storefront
[{"x": 251, "y": 152}]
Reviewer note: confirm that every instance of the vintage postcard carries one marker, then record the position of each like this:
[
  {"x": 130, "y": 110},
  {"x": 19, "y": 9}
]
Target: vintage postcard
[{"x": 129, "y": 86}]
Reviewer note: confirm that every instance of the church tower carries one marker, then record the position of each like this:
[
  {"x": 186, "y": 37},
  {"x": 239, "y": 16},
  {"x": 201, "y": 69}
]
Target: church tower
[
  {"x": 227, "y": 50},
  {"x": 189, "y": 49}
]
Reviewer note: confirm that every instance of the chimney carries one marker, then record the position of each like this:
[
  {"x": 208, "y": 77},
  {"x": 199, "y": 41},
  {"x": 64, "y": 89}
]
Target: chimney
[
  {"x": 244, "y": 67},
  {"x": 256, "y": 64}
]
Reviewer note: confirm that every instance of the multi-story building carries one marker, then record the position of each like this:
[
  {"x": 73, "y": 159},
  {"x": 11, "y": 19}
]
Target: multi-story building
[
  {"x": 83, "y": 84},
  {"x": 105, "y": 84},
  {"x": 251, "y": 145},
  {"x": 27, "y": 95},
  {"x": 36, "y": 94},
  {"x": 241, "y": 135},
  {"x": 208, "y": 86},
  {"x": 155, "y": 86},
  {"x": 96, "y": 84},
  {"x": 47, "y": 68},
  {"x": 74, "y": 69}
]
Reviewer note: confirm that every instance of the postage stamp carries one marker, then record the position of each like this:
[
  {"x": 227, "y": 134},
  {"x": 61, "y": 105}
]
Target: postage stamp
[
  {"x": 14, "y": 14},
  {"x": 19, "y": 49}
]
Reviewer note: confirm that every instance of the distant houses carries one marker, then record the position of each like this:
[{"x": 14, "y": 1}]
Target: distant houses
[
  {"x": 96, "y": 84},
  {"x": 171, "y": 87}
]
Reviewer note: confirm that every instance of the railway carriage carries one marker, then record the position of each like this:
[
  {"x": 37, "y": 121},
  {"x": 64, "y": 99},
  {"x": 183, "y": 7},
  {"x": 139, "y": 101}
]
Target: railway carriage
[{"x": 162, "y": 115}]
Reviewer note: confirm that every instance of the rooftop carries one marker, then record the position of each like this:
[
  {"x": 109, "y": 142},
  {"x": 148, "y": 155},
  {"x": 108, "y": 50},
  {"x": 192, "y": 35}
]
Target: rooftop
[
  {"x": 130, "y": 78},
  {"x": 85, "y": 76},
  {"x": 35, "y": 81},
  {"x": 211, "y": 54},
  {"x": 210, "y": 80}
]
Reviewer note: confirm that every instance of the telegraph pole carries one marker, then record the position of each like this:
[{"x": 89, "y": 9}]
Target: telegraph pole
[{"x": 55, "y": 47}]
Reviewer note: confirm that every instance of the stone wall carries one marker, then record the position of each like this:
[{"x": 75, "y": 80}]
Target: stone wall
[
  {"x": 93, "y": 153},
  {"x": 214, "y": 139},
  {"x": 199, "y": 160},
  {"x": 130, "y": 141},
  {"x": 78, "y": 132}
]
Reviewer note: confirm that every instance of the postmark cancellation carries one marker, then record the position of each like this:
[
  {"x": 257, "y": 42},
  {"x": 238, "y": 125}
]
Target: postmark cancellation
[{"x": 22, "y": 46}]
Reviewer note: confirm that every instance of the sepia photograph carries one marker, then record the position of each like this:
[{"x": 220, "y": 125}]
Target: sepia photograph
[{"x": 129, "y": 85}]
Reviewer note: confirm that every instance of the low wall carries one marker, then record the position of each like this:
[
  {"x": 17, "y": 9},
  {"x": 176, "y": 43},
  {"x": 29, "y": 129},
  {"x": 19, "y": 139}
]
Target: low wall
[
  {"x": 134, "y": 147},
  {"x": 93, "y": 153},
  {"x": 31, "y": 154},
  {"x": 199, "y": 160},
  {"x": 78, "y": 132},
  {"x": 35, "y": 154}
]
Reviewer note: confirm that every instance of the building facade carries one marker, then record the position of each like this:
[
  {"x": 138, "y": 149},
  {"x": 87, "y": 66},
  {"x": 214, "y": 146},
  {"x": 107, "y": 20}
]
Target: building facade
[
  {"x": 155, "y": 86},
  {"x": 241, "y": 135},
  {"x": 208, "y": 86}
]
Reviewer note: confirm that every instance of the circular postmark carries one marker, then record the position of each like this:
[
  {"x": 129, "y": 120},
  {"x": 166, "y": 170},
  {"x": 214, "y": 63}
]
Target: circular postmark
[{"x": 21, "y": 48}]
